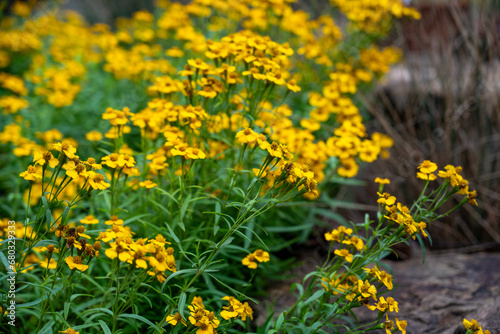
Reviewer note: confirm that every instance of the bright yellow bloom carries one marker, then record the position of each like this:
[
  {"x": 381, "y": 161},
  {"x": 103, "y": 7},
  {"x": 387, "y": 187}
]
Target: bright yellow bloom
[
  {"x": 174, "y": 319},
  {"x": 345, "y": 254},
  {"x": 50, "y": 265},
  {"x": 388, "y": 325},
  {"x": 367, "y": 290},
  {"x": 93, "y": 136},
  {"x": 382, "y": 181},
  {"x": 75, "y": 262},
  {"x": 113, "y": 220},
  {"x": 401, "y": 325},
  {"x": 474, "y": 326},
  {"x": 426, "y": 169},
  {"x": 97, "y": 181},
  {"x": 66, "y": 148},
  {"x": 90, "y": 220},
  {"x": 31, "y": 174},
  {"x": 247, "y": 136},
  {"x": 148, "y": 184},
  {"x": 42, "y": 158},
  {"x": 386, "y": 199},
  {"x": 249, "y": 261}
]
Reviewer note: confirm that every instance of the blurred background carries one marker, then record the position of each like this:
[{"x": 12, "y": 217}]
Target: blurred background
[{"x": 440, "y": 103}]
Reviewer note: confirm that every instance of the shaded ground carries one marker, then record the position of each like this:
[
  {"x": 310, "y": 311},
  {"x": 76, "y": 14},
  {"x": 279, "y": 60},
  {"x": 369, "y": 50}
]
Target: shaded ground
[{"x": 434, "y": 297}]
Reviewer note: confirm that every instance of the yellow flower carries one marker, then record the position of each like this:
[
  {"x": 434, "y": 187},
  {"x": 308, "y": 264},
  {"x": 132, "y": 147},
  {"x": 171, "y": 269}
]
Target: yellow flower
[
  {"x": 349, "y": 168},
  {"x": 345, "y": 254},
  {"x": 66, "y": 148},
  {"x": 97, "y": 181},
  {"x": 474, "y": 326},
  {"x": 249, "y": 261},
  {"x": 120, "y": 250},
  {"x": 194, "y": 153},
  {"x": 386, "y": 199},
  {"x": 382, "y": 181},
  {"x": 174, "y": 319},
  {"x": 69, "y": 331},
  {"x": 261, "y": 255},
  {"x": 90, "y": 220},
  {"x": 75, "y": 262},
  {"x": 471, "y": 197},
  {"x": 292, "y": 85},
  {"x": 275, "y": 150},
  {"x": 367, "y": 290},
  {"x": 426, "y": 169},
  {"x": 31, "y": 174},
  {"x": 114, "y": 221},
  {"x": 388, "y": 325},
  {"x": 401, "y": 325},
  {"x": 148, "y": 184},
  {"x": 247, "y": 136},
  {"x": 93, "y": 136},
  {"x": 50, "y": 265},
  {"x": 43, "y": 158},
  {"x": 204, "y": 328}
]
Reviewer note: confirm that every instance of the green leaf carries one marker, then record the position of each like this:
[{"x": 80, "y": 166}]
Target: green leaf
[
  {"x": 138, "y": 317},
  {"x": 421, "y": 242},
  {"x": 233, "y": 290},
  {"x": 5, "y": 262},
  {"x": 218, "y": 209},
  {"x": 39, "y": 300},
  {"x": 105, "y": 327},
  {"x": 47, "y": 328},
  {"x": 182, "y": 303},
  {"x": 177, "y": 273},
  {"x": 65, "y": 213},
  {"x": 48, "y": 218},
  {"x": 172, "y": 234},
  {"x": 16, "y": 239},
  {"x": 280, "y": 320},
  {"x": 66, "y": 309},
  {"x": 79, "y": 295},
  {"x": 315, "y": 296},
  {"x": 184, "y": 207}
]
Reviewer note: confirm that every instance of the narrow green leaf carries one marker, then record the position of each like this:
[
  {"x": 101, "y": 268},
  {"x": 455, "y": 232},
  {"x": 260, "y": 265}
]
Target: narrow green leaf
[
  {"x": 280, "y": 320},
  {"x": 233, "y": 290},
  {"x": 182, "y": 303},
  {"x": 315, "y": 296},
  {"x": 138, "y": 317},
  {"x": 47, "y": 328},
  {"x": 421, "y": 242},
  {"x": 105, "y": 327},
  {"x": 180, "y": 272},
  {"x": 5, "y": 263},
  {"x": 172, "y": 234},
  {"x": 66, "y": 309}
]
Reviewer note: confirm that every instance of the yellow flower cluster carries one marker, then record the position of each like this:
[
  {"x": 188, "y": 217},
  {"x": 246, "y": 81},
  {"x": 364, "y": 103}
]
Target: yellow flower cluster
[
  {"x": 373, "y": 15},
  {"x": 236, "y": 309},
  {"x": 83, "y": 173},
  {"x": 204, "y": 320},
  {"x": 258, "y": 256},
  {"x": 473, "y": 327},
  {"x": 450, "y": 174},
  {"x": 398, "y": 213},
  {"x": 341, "y": 235},
  {"x": 140, "y": 252},
  {"x": 57, "y": 85}
]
